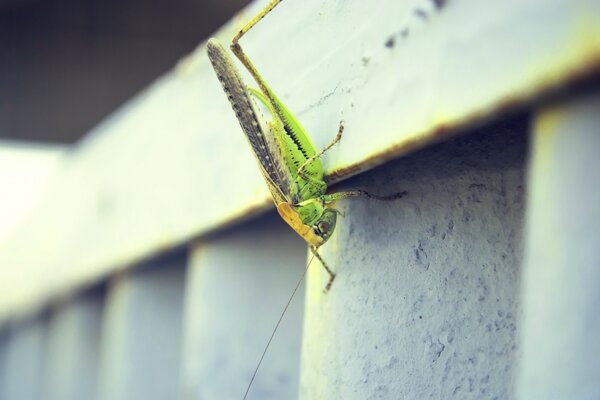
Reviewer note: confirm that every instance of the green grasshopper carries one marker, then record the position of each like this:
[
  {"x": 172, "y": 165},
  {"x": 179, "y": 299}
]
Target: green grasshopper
[{"x": 286, "y": 156}]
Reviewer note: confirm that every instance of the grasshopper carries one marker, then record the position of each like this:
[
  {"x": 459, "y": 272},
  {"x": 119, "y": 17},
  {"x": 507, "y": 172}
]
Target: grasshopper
[{"x": 286, "y": 156}]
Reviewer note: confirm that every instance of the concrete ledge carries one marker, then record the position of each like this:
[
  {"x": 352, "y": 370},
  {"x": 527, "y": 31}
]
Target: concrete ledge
[{"x": 172, "y": 164}]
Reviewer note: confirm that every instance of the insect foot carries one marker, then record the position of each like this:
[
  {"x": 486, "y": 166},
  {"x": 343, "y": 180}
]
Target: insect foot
[{"x": 328, "y": 286}]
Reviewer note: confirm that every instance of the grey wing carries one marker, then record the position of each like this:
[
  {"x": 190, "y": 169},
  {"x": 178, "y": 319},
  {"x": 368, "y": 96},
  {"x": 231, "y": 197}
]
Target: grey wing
[{"x": 247, "y": 115}]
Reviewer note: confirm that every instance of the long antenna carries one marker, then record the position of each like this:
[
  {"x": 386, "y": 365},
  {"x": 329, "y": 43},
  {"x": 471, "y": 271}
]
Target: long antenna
[{"x": 277, "y": 326}]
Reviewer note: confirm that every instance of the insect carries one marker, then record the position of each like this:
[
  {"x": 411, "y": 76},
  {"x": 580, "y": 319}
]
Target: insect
[{"x": 286, "y": 156}]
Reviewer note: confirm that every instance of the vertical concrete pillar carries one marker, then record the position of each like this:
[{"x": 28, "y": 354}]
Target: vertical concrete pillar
[
  {"x": 23, "y": 361},
  {"x": 561, "y": 291},
  {"x": 4, "y": 336},
  {"x": 238, "y": 285},
  {"x": 73, "y": 341},
  {"x": 141, "y": 338}
]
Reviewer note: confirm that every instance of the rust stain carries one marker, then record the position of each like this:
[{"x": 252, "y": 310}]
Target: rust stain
[{"x": 585, "y": 75}]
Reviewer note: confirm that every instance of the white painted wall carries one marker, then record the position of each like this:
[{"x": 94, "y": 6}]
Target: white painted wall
[{"x": 26, "y": 173}]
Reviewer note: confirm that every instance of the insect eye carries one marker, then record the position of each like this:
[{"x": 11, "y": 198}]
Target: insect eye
[{"x": 323, "y": 226}]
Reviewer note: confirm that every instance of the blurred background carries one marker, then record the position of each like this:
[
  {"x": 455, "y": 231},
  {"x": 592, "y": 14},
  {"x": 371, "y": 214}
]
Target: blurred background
[{"x": 67, "y": 64}]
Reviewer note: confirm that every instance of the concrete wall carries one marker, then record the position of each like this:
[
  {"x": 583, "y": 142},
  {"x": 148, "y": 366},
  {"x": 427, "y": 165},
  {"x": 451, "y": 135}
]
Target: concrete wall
[
  {"x": 141, "y": 332},
  {"x": 238, "y": 285},
  {"x": 426, "y": 303},
  {"x": 24, "y": 356},
  {"x": 155, "y": 207},
  {"x": 73, "y": 349},
  {"x": 561, "y": 290}
]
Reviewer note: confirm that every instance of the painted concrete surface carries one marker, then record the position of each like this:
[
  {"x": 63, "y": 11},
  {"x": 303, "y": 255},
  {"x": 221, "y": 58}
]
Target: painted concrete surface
[
  {"x": 172, "y": 163},
  {"x": 4, "y": 341},
  {"x": 561, "y": 291},
  {"x": 238, "y": 285},
  {"x": 141, "y": 336},
  {"x": 426, "y": 300},
  {"x": 24, "y": 357},
  {"x": 73, "y": 345}
]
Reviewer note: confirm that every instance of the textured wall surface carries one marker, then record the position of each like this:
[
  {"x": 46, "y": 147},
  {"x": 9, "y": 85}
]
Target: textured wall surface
[
  {"x": 426, "y": 301},
  {"x": 238, "y": 285}
]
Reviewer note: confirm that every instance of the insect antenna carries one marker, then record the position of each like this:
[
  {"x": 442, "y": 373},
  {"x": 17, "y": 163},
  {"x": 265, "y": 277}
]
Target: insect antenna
[{"x": 276, "y": 327}]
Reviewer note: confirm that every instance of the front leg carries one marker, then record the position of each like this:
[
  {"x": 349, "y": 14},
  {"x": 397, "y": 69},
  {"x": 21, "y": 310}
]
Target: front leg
[
  {"x": 337, "y": 138},
  {"x": 314, "y": 250}
]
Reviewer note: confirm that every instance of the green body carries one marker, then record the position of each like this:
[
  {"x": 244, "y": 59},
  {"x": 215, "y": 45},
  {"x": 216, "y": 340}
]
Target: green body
[
  {"x": 286, "y": 155},
  {"x": 306, "y": 191}
]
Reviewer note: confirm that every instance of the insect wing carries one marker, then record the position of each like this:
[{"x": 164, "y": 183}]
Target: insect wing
[{"x": 245, "y": 109}]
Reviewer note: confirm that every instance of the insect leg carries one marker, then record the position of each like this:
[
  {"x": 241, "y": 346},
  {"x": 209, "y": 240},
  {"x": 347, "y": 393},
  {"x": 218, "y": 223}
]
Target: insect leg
[
  {"x": 328, "y": 198},
  {"x": 239, "y": 53},
  {"x": 337, "y": 138},
  {"x": 314, "y": 250},
  {"x": 268, "y": 8}
]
